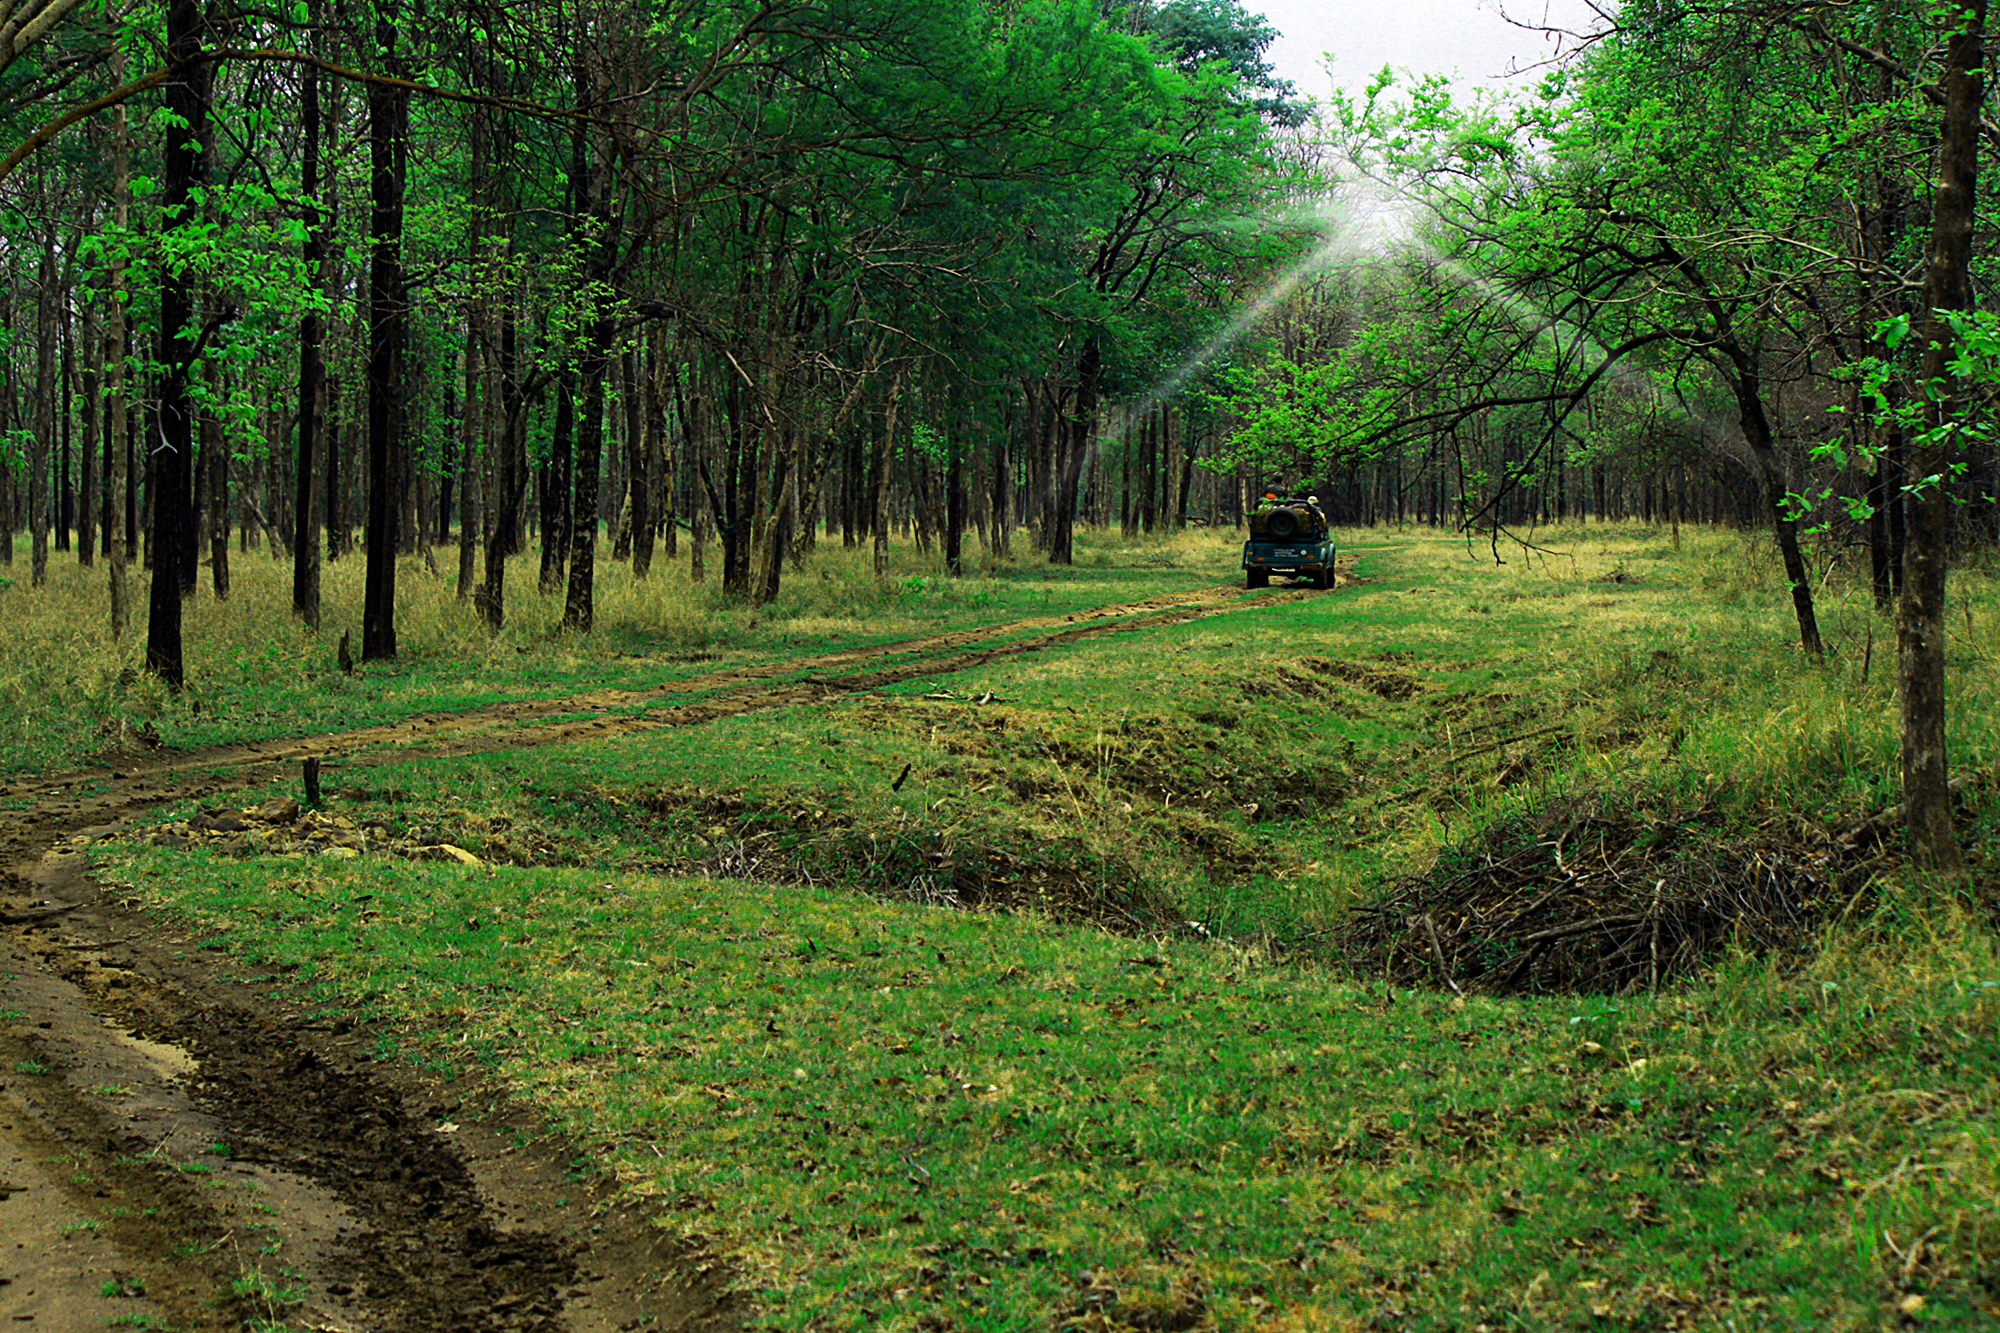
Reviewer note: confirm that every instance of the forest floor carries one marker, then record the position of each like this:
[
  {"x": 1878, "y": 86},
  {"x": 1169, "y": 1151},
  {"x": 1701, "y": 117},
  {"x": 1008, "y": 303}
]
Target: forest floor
[
  {"x": 1104, "y": 949},
  {"x": 161, "y": 1121}
]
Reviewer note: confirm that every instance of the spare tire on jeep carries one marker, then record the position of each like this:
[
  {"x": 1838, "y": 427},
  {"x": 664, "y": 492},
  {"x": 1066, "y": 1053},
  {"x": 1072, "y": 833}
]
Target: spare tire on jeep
[{"x": 1283, "y": 522}]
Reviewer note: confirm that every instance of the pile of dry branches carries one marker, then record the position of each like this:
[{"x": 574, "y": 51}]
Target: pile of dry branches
[{"x": 1584, "y": 898}]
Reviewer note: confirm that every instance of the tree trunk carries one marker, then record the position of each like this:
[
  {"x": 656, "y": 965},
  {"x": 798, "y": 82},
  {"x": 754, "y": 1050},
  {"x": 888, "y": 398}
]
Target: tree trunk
[
  {"x": 1757, "y": 432},
  {"x": 333, "y": 494},
  {"x": 117, "y": 445},
  {"x": 215, "y": 483},
  {"x": 506, "y": 473},
  {"x": 471, "y": 489},
  {"x": 444, "y": 477},
  {"x": 555, "y": 485},
  {"x": 388, "y": 127},
  {"x": 954, "y": 510},
  {"x": 89, "y": 482},
  {"x": 638, "y": 507},
  {"x": 312, "y": 374},
  {"x": 1185, "y": 491},
  {"x": 184, "y": 172},
  {"x": 699, "y": 423},
  {"x": 1149, "y": 473},
  {"x": 65, "y": 497},
  {"x": 580, "y": 598},
  {"x": 735, "y": 505},
  {"x": 1920, "y": 632},
  {"x": 42, "y": 443},
  {"x": 1128, "y": 489},
  {"x": 885, "y": 453},
  {"x": 1000, "y": 519},
  {"x": 773, "y": 530},
  {"x": 648, "y": 373}
]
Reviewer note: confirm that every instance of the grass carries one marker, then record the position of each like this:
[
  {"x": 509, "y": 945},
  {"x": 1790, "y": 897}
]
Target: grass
[
  {"x": 894, "y": 1114},
  {"x": 717, "y": 956},
  {"x": 69, "y": 692},
  {"x": 267, "y": 1293}
]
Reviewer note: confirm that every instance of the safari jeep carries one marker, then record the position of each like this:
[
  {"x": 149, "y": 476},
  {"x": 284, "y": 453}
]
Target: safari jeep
[{"x": 1288, "y": 537}]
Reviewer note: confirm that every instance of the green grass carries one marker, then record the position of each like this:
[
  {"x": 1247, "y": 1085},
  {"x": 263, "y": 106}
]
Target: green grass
[
  {"x": 890, "y": 1114},
  {"x": 1260, "y": 769}
]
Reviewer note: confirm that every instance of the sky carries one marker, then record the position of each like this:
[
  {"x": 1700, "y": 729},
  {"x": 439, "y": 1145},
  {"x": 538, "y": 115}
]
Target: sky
[{"x": 1469, "y": 39}]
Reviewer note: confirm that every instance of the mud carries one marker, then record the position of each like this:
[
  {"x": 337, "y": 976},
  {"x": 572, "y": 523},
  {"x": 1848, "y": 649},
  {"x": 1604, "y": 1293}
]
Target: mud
[{"x": 181, "y": 1148}]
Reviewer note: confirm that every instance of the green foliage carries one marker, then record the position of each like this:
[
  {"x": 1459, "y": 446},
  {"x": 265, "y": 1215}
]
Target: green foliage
[
  {"x": 1953, "y": 415},
  {"x": 1621, "y": 271}
]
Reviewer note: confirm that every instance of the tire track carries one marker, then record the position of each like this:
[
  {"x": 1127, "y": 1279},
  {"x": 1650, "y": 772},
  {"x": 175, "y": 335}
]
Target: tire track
[{"x": 63, "y": 801}]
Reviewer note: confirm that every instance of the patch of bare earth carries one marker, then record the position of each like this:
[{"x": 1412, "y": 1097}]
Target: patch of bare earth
[{"x": 179, "y": 1144}]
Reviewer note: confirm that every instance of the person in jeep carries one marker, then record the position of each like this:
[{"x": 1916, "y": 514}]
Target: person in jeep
[{"x": 1288, "y": 536}]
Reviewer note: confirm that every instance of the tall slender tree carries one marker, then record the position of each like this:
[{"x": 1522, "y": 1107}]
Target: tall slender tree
[
  {"x": 116, "y": 531},
  {"x": 312, "y": 360},
  {"x": 388, "y": 137},
  {"x": 182, "y": 335}
]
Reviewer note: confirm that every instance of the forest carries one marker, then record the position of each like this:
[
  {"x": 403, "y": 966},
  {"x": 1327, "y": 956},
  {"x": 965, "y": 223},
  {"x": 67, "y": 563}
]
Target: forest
[
  {"x": 877, "y": 858},
  {"x": 538, "y": 280},
  {"x": 743, "y": 273}
]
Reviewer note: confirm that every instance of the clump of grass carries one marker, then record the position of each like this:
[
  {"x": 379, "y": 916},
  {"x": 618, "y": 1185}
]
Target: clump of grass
[
  {"x": 1826, "y": 750},
  {"x": 1742, "y": 569}
]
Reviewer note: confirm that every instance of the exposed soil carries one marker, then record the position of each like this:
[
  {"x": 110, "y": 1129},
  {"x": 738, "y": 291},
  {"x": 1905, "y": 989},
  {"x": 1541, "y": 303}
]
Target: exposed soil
[{"x": 179, "y": 1147}]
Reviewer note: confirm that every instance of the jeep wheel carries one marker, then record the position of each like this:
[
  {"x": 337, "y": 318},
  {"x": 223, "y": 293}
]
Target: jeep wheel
[
  {"x": 1324, "y": 578},
  {"x": 1257, "y": 578}
]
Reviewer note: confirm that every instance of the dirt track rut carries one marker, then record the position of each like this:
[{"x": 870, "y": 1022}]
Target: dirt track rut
[{"x": 180, "y": 1148}]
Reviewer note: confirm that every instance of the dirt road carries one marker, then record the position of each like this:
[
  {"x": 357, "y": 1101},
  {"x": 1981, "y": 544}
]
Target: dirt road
[{"x": 181, "y": 1148}]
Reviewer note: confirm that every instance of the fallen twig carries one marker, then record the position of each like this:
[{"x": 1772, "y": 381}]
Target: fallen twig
[{"x": 1437, "y": 951}]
